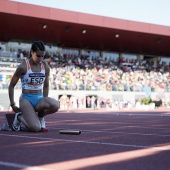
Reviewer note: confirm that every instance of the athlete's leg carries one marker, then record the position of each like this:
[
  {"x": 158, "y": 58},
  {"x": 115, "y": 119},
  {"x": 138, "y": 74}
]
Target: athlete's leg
[
  {"x": 29, "y": 118},
  {"x": 46, "y": 106}
]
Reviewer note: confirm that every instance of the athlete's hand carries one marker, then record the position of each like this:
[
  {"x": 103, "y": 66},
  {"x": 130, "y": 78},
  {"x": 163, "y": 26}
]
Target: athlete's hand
[{"x": 16, "y": 109}]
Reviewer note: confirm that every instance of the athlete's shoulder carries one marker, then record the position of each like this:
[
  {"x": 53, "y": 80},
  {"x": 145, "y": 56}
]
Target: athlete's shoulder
[
  {"x": 22, "y": 65},
  {"x": 21, "y": 69},
  {"x": 47, "y": 67}
]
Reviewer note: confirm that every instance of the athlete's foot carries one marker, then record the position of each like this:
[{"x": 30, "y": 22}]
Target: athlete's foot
[
  {"x": 16, "y": 123},
  {"x": 42, "y": 122}
]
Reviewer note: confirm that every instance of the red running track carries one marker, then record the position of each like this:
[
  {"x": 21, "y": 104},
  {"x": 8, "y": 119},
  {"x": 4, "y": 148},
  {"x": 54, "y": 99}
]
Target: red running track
[{"x": 109, "y": 140}]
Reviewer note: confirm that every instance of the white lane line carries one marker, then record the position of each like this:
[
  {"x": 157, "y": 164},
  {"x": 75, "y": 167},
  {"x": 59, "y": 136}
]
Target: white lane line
[
  {"x": 125, "y": 112},
  {"x": 15, "y": 165},
  {"x": 88, "y": 142},
  {"x": 143, "y": 134},
  {"x": 145, "y": 115},
  {"x": 138, "y": 124},
  {"x": 155, "y": 128},
  {"x": 126, "y": 133},
  {"x": 118, "y": 124}
]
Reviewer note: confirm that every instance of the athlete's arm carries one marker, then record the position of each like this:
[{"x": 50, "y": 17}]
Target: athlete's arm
[
  {"x": 46, "y": 82},
  {"x": 19, "y": 71}
]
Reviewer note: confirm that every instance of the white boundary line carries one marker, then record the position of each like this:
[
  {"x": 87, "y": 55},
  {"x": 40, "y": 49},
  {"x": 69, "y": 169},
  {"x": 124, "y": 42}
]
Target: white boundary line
[
  {"x": 119, "y": 124},
  {"x": 124, "y": 126},
  {"x": 127, "y": 113},
  {"x": 15, "y": 165},
  {"x": 126, "y": 133},
  {"x": 87, "y": 142},
  {"x": 143, "y": 114},
  {"x": 116, "y": 123}
]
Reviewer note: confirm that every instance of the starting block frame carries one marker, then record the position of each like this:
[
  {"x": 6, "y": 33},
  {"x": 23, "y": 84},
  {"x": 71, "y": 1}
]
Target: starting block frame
[{"x": 9, "y": 118}]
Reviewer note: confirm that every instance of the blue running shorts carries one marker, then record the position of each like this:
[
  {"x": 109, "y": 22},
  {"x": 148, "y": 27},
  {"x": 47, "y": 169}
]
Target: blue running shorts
[{"x": 32, "y": 98}]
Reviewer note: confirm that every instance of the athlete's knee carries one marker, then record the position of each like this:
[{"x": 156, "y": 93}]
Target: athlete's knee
[
  {"x": 34, "y": 128},
  {"x": 55, "y": 106}
]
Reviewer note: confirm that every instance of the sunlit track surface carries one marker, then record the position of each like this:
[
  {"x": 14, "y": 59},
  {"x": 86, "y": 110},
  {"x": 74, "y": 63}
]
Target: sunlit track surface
[{"x": 108, "y": 140}]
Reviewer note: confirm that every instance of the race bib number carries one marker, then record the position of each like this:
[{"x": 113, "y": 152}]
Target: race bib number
[{"x": 36, "y": 78}]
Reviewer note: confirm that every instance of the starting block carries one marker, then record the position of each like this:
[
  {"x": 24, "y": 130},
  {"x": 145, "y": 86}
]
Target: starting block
[
  {"x": 9, "y": 118},
  {"x": 7, "y": 126}
]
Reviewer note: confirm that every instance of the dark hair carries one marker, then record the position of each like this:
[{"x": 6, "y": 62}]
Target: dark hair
[{"x": 36, "y": 46}]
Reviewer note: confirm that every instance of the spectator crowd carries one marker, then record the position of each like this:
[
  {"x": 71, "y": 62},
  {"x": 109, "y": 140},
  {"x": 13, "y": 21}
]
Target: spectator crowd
[
  {"x": 70, "y": 72},
  {"x": 84, "y": 72}
]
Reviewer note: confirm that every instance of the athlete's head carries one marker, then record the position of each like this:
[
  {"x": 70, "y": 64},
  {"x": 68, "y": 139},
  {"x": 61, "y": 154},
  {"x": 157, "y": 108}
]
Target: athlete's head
[
  {"x": 38, "y": 45},
  {"x": 37, "y": 50}
]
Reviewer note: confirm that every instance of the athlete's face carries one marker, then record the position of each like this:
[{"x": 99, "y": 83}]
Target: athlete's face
[{"x": 38, "y": 56}]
